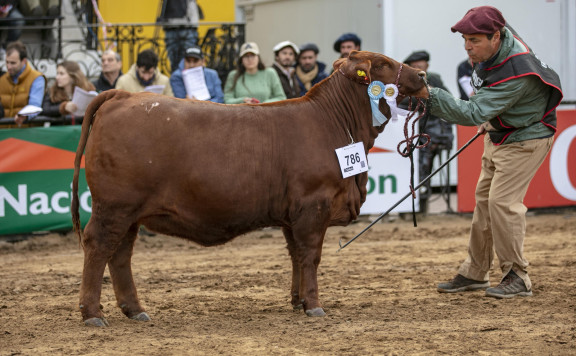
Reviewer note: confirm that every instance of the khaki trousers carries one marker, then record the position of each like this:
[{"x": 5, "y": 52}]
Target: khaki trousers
[{"x": 499, "y": 221}]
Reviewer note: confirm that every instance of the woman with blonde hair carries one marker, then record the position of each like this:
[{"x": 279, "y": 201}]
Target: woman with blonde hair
[{"x": 58, "y": 100}]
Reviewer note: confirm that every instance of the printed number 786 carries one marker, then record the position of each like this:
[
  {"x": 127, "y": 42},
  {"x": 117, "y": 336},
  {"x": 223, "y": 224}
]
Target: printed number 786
[{"x": 352, "y": 159}]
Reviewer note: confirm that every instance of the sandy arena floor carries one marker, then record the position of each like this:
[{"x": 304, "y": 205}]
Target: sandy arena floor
[{"x": 379, "y": 294}]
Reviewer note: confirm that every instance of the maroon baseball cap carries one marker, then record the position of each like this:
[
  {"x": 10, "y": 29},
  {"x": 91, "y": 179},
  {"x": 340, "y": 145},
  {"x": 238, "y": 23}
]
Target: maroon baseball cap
[{"x": 481, "y": 19}]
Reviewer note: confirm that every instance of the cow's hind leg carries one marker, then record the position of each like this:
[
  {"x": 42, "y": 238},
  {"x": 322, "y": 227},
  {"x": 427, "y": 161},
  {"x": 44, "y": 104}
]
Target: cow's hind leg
[
  {"x": 295, "y": 288},
  {"x": 120, "y": 267},
  {"x": 308, "y": 238},
  {"x": 100, "y": 241}
]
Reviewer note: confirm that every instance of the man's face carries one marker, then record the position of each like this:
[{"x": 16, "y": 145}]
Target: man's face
[
  {"x": 110, "y": 64},
  {"x": 145, "y": 74},
  {"x": 14, "y": 64},
  {"x": 480, "y": 48},
  {"x": 286, "y": 57},
  {"x": 192, "y": 62},
  {"x": 422, "y": 65},
  {"x": 346, "y": 47},
  {"x": 307, "y": 60}
]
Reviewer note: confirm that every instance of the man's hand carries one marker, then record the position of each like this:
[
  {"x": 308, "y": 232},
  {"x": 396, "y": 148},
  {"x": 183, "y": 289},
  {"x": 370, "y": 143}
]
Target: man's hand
[
  {"x": 485, "y": 127},
  {"x": 19, "y": 119}
]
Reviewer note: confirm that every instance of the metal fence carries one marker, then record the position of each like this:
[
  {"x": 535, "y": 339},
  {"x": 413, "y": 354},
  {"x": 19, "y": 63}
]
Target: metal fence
[{"x": 220, "y": 43}]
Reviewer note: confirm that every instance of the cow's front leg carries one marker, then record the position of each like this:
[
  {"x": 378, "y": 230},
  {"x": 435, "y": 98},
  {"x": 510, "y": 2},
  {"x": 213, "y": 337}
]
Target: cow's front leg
[
  {"x": 308, "y": 246},
  {"x": 295, "y": 288},
  {"x": 120, "y": 266}
]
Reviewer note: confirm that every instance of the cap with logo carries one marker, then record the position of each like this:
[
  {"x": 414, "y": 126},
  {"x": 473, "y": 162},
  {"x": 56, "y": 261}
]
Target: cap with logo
[{"x": 249, "y": 47}]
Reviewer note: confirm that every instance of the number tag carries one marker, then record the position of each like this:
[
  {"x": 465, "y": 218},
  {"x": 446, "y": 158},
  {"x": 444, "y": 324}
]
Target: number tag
[{"x": 352, "y": 159}]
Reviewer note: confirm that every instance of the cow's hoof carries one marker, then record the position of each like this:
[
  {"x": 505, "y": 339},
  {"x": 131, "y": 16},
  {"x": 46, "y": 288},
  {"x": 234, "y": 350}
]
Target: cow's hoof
[
  {"x": 141, "y": 317},
  {"x": 298, "y": 306},
  {"x": 99, "y": 322},
  {"x": 315, "y": 312}
]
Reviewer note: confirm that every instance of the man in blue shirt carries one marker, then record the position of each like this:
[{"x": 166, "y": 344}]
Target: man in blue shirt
[
  {"x": 195, "y": 58},
  {"x": 20, "y": 85}
]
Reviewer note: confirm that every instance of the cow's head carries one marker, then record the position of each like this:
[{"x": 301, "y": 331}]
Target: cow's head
[{"x": 366, "y": 67}]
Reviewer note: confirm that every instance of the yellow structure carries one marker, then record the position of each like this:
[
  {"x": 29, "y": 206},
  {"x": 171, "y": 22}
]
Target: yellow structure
[{"x": 146, "y": 12}]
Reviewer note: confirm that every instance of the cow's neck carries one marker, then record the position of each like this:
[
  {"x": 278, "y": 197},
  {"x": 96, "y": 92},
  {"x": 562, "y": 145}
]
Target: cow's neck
[{"x": 349, "y": 107}]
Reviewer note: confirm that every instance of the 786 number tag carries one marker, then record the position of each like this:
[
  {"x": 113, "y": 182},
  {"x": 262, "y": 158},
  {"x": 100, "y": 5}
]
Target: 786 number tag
[{"x": 352, "y": 159}]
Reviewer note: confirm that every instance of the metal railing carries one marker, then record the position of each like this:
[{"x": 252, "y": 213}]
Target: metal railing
[{"x": 220, "y": 44}]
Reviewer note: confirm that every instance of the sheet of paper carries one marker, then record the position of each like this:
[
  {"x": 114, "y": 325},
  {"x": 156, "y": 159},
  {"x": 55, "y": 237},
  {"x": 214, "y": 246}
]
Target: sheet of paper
[
  {"x": 158, "y": 89},
  {"x": 29, "y": 110},
  {"x": 82, "y": 98},
  {"x": 195, "y": 83}
]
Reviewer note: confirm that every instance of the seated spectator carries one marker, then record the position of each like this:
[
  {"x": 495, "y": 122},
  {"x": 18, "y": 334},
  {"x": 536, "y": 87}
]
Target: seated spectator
[
  {"x": 285, "y": 54},
  {"x": 143, "y": 74},
  {"x": 57, "y": 101},
  {"x": 111, "y": 71},
  {"x": 252, "y": 82},
  {"x": 20, "y": 85},
  {"x": 9, "y": 10},
  {"x": 347, "y": 43},
  {"x": 193, "y": 58},
  {"x": 309, "y": 70}
]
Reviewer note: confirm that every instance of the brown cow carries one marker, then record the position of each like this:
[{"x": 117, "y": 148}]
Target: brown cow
[{"x": 209, "y": 172}]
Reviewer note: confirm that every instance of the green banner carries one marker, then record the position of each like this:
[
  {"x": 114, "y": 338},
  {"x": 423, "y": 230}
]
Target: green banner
[{"x": 36, "y": 171}]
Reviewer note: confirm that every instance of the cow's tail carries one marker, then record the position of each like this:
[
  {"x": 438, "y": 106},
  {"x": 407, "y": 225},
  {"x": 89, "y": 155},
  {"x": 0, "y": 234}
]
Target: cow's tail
[{"x": 86, "y": 127}]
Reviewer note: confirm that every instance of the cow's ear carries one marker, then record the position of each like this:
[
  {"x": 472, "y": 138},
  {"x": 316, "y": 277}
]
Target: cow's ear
[
  {"x": 356, "y": 70},
  {"x": 338, "y": 63}
]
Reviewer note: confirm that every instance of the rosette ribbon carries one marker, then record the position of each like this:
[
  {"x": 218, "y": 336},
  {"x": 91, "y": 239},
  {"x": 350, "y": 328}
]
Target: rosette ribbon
[{"x": 378, "y": 90}]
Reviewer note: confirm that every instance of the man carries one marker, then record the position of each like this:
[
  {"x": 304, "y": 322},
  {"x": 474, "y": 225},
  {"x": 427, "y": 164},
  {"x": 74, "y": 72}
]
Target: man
[
  {"x": 143, "y": 74},
  {"x": 464, "y": 74},
  {"x": 309, "y": 70},
  {"x": 195, "y": 58},
  {"x": 111, "y": 71},
  {"x": 20, "y": 85},
  {"x": 514, "y": 102},
  {"x": 347, "y": 43},
  {"x": 180, "y": 18},
  {"x": 13, "y": 20},
  {"x": 285, "y": 54},
  {"x": 440, "y": 131}
]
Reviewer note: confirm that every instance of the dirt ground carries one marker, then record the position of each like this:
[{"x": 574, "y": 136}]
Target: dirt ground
[{"x": 379, "y": 294}]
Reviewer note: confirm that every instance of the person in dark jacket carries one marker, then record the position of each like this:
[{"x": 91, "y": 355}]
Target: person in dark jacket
[
  {"x": 347, "y": 43},
  {"x": 180, "y": 23},
  {"x": 440, "y": 131},
  {"x": 14, "y": 20},
  {"x": 309, "y": 71},
  {"x": 285, "y": 54},
  {"x": 464, "y": 74},
  {"x": 111, "y": 71}
]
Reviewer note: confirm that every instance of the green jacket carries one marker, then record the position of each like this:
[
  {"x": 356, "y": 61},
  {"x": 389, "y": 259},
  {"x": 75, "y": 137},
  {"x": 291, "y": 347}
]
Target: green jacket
[
  {"x": 520, "y": 102},
  {"x": 265, "y": 86}
]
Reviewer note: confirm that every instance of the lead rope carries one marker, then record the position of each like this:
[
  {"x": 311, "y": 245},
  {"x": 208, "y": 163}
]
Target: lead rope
[{"x": 412, "y": 141}]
